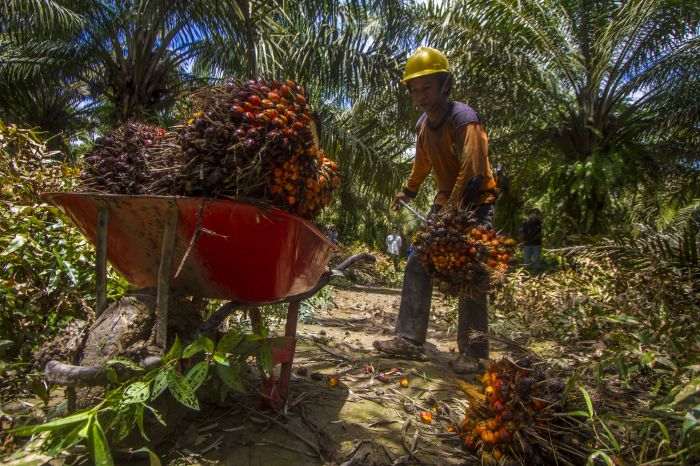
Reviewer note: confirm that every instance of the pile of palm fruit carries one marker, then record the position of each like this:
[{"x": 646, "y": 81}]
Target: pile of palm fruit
[
  {"x": 249, "y": 141},
  {"x": 516, "y": 418},
  {"x": 461, "y": 257},
  {"x": 119, "y": 163}
]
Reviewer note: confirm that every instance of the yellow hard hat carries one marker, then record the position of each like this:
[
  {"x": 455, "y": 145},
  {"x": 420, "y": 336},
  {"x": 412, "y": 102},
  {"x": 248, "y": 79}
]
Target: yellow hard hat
[{"x": 425, "y": 61}]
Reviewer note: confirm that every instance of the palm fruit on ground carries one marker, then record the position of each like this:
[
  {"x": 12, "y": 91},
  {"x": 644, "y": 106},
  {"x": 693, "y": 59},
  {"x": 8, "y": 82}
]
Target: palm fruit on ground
[{"x": 516, "y": 417}]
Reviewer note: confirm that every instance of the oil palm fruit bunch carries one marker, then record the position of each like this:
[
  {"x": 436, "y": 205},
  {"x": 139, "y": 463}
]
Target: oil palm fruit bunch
[
  {"x": 255, "y": 140},
  {"x": 120, "y": 162},
  {"x": 515, "y": 418},
  {"x": 460, "y": 256}
]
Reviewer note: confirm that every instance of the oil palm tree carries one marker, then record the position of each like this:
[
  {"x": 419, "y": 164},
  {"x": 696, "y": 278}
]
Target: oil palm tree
[{"x": 591, "y": 98}]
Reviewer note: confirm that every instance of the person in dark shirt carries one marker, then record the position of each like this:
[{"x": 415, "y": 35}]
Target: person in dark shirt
[
  {"x": 451, "y": 143},
  {"x": 532, "y": 240}
]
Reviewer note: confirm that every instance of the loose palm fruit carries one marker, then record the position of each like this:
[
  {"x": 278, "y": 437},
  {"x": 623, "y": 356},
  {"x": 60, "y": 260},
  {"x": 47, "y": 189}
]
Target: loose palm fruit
[
  {"x": 404, "y": 382},
  {"x": 426, "y": 417},
  {"x": 333, "y": 381}
]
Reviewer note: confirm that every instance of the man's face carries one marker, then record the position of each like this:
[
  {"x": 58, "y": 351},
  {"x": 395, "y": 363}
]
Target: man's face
[{"x": 426, "y": 94}]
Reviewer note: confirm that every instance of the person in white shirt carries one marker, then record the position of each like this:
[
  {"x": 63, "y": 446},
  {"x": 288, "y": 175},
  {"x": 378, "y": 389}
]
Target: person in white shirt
[{"x": 393, "y": 246}]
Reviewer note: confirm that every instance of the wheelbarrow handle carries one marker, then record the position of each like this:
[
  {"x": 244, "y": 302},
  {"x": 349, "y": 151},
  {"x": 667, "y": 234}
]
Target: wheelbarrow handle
[{"x": 412, "y": 210}]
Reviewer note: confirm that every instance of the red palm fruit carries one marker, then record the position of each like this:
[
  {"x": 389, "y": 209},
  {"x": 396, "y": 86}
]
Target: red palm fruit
[
  {"x": 254, "y": 100},
  {"x": 290, "y": 83},
  {"x": 497, "y": 453},
  {"x": 291, "y": 200},
  {"x": 487, "y": 437},
  {"x": 248, "y": 116},
  {"x": 491, "y": 424},
  {"x": 503, "y": 436},
  {"x": 301, "y": 99},
  {"x": 467, "y": 424},
  {"x": 480, "y": 426},
  {"x": 494, "y": 379},
  {"x": 336, "y": 181},
  {"x": 284, "y": 91},
  {"x": 273, "y": 96},
  {"x": 267, "y": 103},
  {"x": 490, "y": 394},
  {"x": 498, "y": 406},
  {"x": 503, "y": 392},
  {"x": 276, "y": 189},
  {"x": 486, "y": 379},
  {"x": 506, "y": 415},
  {"x": 538, "y": 404},
  {"x": 470, "y": 442}
]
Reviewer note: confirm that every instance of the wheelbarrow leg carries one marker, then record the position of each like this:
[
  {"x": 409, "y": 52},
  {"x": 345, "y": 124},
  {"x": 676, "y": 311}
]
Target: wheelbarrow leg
[
  {"x": 101, "y": 259},
  {"x": 290, "y": 331},
  {"x": 275, "y": 392},
  {"x": 164, "y": 271}
]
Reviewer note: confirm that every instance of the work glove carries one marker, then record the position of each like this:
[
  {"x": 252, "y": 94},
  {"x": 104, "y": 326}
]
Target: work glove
[
  {"x": 472, "y": 190},
  {"x": 434, "y": 211}
]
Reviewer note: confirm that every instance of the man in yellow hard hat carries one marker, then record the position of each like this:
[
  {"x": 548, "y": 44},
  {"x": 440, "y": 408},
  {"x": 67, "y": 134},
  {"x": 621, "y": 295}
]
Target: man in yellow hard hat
[{"x": 450, "y": 142}]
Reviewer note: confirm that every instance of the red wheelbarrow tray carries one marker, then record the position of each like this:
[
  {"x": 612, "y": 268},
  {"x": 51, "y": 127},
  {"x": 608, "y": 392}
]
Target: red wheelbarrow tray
[{"x": 242, "y": 252}]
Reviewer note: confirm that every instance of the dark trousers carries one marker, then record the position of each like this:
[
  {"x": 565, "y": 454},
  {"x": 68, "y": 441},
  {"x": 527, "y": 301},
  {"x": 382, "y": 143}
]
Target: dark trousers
[{"x": 416, "y": 295}]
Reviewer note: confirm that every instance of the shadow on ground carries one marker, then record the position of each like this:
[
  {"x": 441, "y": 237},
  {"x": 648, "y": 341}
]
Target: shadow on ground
[{"x": 361, "y": 421}]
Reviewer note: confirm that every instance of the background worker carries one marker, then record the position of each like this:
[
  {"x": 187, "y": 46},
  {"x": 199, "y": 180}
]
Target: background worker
[
  {"x": 393, "y": 246},
  {"x": 532, "y": 240},
  {"x": 450, "y": 142}
]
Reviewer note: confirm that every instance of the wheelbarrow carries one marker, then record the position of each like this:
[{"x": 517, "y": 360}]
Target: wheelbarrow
[{"x": 249, "y": 255}]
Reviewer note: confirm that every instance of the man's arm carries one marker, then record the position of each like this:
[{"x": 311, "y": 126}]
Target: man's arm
[
  {"x": 474, "y": 174},
  {"x": 419, "y": 172}
]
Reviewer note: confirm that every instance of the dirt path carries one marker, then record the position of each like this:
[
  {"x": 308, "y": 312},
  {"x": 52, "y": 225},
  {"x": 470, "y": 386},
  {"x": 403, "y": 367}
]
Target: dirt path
[{"x": 361, "y": 421}]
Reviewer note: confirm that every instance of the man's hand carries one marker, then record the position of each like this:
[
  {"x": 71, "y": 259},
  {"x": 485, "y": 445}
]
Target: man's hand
[{"x": 400, "y": 196}]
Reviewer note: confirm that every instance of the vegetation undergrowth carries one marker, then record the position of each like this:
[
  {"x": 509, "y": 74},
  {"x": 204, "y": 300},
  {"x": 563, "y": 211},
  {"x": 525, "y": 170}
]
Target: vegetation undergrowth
[
  {"x": 126, "y": 406},
  {"x": 622, "y": 318},
  {"x": 46, "y": 265}
]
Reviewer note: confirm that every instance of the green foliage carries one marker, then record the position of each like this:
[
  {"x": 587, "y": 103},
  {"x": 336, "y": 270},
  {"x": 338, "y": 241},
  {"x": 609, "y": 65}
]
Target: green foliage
[
  {"x": 599, "y": 96},
  {"x": 625, "y": 310},
  {"x": 45, "y": 268},
  {"x": 122, "y": 409}
]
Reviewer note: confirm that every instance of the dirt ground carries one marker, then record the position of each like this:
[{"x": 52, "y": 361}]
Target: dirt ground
[{"x": 362, "y": 421}]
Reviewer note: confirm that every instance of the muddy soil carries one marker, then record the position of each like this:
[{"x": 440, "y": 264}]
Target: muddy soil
[{"x": 362, "y": 420}]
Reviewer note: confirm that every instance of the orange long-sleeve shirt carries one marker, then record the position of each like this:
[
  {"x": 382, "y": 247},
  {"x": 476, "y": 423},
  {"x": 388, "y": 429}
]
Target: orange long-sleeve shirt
[{"x": 456, "y": 151}]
